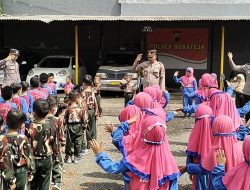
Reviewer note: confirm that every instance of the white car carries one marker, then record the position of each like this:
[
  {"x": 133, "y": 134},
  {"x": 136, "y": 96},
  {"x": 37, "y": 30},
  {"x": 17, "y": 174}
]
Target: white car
[{"x": 61, "y": 66}]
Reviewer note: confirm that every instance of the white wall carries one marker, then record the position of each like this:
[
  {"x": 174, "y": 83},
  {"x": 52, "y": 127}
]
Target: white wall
[{"x": 61, "y": 7}]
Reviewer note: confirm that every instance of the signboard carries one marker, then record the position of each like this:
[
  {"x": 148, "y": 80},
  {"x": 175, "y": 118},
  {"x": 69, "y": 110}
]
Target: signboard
[{"x": 180, "y": 48}]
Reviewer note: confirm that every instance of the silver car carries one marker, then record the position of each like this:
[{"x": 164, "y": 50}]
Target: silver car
[
  {"x": 61, "y": 66},
  {"x": 114, "y": 67}
]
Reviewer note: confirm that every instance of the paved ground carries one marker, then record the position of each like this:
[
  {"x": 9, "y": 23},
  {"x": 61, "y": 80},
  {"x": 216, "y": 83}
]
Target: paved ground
[{"x": 87, "y": 175}]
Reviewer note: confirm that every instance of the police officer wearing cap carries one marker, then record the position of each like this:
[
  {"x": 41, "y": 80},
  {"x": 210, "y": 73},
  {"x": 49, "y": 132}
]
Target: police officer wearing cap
[
  {"x": 153, "y": 70},
  {"x": 11, "y": 68}
]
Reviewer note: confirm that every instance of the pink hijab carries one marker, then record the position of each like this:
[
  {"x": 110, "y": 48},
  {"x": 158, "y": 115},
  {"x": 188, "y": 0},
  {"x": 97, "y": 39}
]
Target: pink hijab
[
  {"x": 143, "y": 100},
  {"x": 151, "y": 160},
  {"x": 214, "y": 80},
  {"x": 200, "y": 91},
  {"x": 157, "y": 94},
  {"x": 223, "y": 137},
  {"x": 223, "y": 104},
  {"x": 127, "y": 113},
  {"x": 239, "y": 176},
  {"x": 206, "y": 82},
  {"x": 152, "y": 92},
  {"x": 157, "y": 112},
  {"x": 200, "y": 138},
  {"x": 188, "y": 79}
]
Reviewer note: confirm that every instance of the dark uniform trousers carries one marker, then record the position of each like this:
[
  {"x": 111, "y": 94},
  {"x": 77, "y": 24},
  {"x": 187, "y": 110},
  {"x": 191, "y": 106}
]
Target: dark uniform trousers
[
  {"x": 74, "y": 139},
  {"x": 91, "y": 129},
  {"x": 42, "y": 177}
]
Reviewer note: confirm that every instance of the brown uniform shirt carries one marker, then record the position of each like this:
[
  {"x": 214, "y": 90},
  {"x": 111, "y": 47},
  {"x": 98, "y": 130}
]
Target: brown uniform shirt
[
  {"x": 130, "y": 87},
  {"x": 154, "y": 73},
  {"x": 11, "y": 72}
]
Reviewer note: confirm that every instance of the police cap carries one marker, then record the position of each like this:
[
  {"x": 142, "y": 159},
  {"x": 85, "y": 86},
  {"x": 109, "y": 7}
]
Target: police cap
[{"x": 15, "y": 51}]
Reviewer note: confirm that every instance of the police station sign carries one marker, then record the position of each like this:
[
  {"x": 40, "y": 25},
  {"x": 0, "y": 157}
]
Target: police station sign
[{"x": 180, "y": 48}]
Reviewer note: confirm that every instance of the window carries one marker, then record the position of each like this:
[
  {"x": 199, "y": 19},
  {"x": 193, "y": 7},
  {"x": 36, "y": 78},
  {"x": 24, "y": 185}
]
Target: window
[
  {"x": 55, "y": 62},
  {"x": 80, "y": 62},
  {"x": 119, "y": 60}
]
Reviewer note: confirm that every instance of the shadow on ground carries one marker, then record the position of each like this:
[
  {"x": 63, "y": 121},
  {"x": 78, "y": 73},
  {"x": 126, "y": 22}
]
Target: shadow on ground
[
  {"x": 114, "y": 186},
  {"x": 177, "y": 143},
  {"x": 96, "y": 175},
  {"x": 185, "y": 187},
  {"x": 179, "y": 154},
  {"x": 100, "y": 186},
  {"x": 111, "y": 149}
]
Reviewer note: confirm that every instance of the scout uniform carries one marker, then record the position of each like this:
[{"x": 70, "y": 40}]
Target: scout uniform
[
  {"x": 153, "y": 73},
  {"x": 11, "y": 70},
  {"x": 129, "y": 91},
  {"x": 97, "y": 87},
  {"x": 58, "y": 162},
  {"x": 44, "y": 146},
  {"x": 74, "y": 120},
  {"x": 17, "y": 160},
  {"x": 90, "y": 101}
]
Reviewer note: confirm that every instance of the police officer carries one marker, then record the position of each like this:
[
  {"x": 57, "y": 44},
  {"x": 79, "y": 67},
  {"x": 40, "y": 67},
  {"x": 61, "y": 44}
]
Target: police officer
[
  {"x": 153, "y": 70},
  {"x": 11, "y": 68}
]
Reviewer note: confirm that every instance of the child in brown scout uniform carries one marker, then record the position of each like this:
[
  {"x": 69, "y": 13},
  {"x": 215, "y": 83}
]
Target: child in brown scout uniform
[
  {"x": 128, "y": 87},
  {"x": 97, "y": 87},
  {"x": 75, "y": 117},
  {"x": 17, "y": 162},
  {"x": 88, "y": 96},
  {"x": 58, "y": 162},
  {"x": 44, "y": 145}
]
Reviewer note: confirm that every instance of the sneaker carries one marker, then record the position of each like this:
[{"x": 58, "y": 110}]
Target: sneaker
[
  {"x": 55, "y": 187},
  {"x": 81, "y": 155},
  {"x": 68, "y": 160},
  {"x": 77, "y": 160},
  {"x": 84, "y": 152},
  {"x": 63, "y": 170}
]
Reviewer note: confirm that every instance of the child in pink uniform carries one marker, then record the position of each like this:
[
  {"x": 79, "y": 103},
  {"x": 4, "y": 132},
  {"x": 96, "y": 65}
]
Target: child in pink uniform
[
  {"x": 151, "y": 165},
  {"x": 34, "y": 92},
  {"x": 51, "y": 83}
]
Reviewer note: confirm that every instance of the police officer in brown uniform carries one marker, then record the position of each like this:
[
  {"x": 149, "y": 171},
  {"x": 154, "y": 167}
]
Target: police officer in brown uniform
[
  {"x": 153, "y": 70},
  {"x": 11, "y": 68}
]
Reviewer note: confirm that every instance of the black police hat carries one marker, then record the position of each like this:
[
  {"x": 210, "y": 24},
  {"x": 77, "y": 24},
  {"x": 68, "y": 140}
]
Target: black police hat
[{"x": 15, "y": 51}]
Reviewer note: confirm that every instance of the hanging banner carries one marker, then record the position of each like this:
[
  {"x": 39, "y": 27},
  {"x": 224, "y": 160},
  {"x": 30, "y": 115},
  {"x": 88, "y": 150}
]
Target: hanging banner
[{"x": 180, "y": 48}]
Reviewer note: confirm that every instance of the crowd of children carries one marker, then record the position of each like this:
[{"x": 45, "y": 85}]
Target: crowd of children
[
  {"x": 35, "y": 127},
  {"x": 215, "y": 157}
]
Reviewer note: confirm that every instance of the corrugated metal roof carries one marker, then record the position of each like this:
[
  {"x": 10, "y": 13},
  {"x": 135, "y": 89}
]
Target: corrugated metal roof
[
  {"x": 51, "y": 18},
  {"x": 185, "y": 1}
]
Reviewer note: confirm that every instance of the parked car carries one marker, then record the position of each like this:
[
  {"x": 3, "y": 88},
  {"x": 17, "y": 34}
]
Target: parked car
[
  {"x": 61, "y": 65},
  {"x": 114, "y": 66}
]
